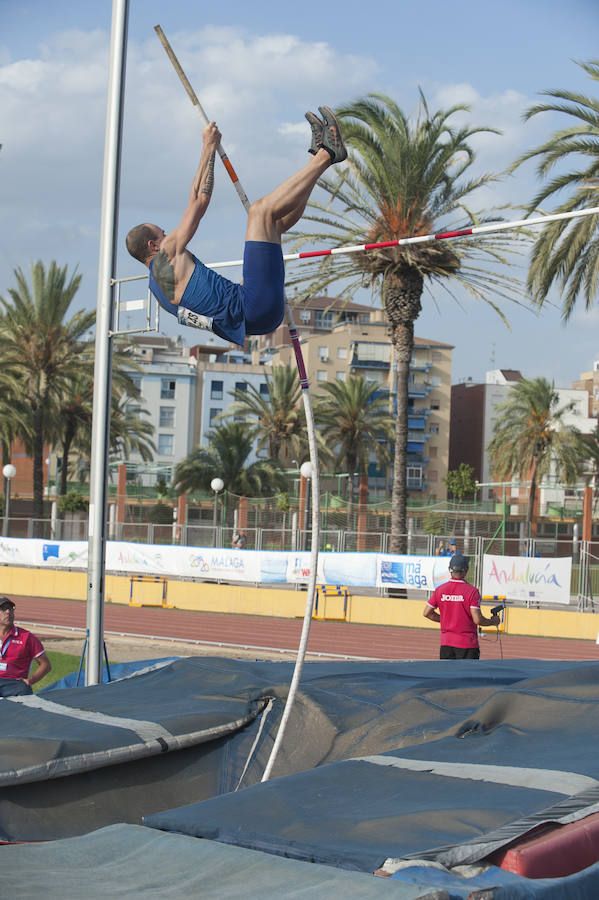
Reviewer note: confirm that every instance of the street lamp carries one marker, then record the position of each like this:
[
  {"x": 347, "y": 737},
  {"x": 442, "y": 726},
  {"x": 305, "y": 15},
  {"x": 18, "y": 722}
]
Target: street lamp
[
  {"x": 9, "y": 472},
  {"x": 217, "y": 484}
]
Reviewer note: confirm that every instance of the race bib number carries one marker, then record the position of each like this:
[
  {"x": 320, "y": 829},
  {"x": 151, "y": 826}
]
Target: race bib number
[
  {"x": 3, "y": 666},
  {"x": 193, "y": 319}
]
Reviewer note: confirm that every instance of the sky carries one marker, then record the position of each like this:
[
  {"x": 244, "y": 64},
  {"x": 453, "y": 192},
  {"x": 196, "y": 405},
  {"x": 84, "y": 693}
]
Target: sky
[{"x": 256, "y": 68}]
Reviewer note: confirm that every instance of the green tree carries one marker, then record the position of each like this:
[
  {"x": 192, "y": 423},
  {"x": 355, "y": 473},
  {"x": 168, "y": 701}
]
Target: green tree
[
  {"x": 130, "y": 430},
  {"x": 44, "y": 348},
  {"x": 354, "y": 420},
  {"x": 279, "y": 423},
  {"x": 226, "y": 456},
  {"x": 405, "y": 178},
  {"x": 530, "y": 439},
  {"x": 461, "y": 482},
  {"x": 566, "y": 253}
]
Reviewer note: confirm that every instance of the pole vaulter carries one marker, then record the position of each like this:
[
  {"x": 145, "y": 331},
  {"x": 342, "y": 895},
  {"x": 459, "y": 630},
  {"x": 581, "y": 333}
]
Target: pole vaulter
[{"x": 311, "y": 434}]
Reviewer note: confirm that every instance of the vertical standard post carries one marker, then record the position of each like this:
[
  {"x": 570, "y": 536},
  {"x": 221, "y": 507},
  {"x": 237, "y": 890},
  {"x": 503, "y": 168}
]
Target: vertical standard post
[{"x": 103, "y": 354}]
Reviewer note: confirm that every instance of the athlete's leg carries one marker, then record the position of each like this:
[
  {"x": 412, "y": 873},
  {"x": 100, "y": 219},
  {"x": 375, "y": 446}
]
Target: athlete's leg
[
  {"x": 274, "y": 214},
  {"x": 279, "y": 211}
]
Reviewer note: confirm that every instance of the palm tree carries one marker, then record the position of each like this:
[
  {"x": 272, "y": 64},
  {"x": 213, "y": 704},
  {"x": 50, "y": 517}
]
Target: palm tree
[
  {"x": 44, "y": 349},
  {"x": 566, "y": 253},
  {"x": 226, "y": 457},
  {"x": 130, "y": 431},
  {"x": 354, "y": 420},
  {"x": 530, "y": 439},
  {"x": 404, "y": 178},
  {"x": 280, "y": 423}
]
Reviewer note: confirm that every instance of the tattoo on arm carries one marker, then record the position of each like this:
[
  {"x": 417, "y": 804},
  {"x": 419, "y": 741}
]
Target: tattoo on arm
[
  {"x": 209, "y": 183},
  {"x": 165, "y": 275}
]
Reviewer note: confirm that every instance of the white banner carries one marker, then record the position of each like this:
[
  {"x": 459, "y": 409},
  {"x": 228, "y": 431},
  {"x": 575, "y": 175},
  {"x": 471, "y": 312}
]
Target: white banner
[
  {"x": 538, "y": 580},
  {"x": 517, "y": 578}
]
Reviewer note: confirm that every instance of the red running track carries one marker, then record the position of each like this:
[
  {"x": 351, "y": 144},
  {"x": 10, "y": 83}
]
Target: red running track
[{"x": 327, "y": 638}]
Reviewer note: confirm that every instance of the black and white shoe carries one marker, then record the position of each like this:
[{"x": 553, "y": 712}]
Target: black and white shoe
[
  {"x": 331, "y": 135},
  {"x": 317, "y": 128}
]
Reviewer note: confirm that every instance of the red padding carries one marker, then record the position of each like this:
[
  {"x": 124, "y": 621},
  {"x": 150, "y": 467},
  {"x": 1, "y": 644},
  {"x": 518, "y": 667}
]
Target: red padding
[{"x": 556, "y": 852}]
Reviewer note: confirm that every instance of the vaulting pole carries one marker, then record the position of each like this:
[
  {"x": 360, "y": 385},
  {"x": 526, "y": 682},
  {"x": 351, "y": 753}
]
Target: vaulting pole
[
  {"x": 297, "y": 671},
  {"x": 98, "y": 480}
]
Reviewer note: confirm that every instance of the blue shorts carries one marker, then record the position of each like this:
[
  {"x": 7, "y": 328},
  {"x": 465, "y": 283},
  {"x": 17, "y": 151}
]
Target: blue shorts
[
  {"x": 263, "y": 286},
  {"x": 228, "y": 309}
]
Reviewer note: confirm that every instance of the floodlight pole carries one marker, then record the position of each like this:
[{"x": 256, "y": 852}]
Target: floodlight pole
[{"x": 98, "y": 486}]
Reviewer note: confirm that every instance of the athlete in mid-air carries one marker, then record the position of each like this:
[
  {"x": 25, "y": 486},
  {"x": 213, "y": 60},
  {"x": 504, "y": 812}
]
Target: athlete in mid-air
[{"x": 200, "y": 297}]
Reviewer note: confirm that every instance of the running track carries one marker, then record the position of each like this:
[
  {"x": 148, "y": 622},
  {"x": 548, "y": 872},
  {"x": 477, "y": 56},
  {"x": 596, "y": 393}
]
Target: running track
[{"x": 327, "y": 638}]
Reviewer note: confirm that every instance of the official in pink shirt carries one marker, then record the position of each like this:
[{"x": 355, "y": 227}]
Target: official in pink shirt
[
  {"x": 19, "y": 648},
  {"x": 456, "y": 605}
]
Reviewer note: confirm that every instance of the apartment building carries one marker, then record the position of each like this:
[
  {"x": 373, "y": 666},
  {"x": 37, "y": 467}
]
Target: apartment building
[
  {"x": 352, "y": 348},
  {"x": 474, "y": 411}
]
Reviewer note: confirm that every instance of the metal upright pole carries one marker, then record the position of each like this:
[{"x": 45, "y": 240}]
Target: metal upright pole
[{"x": 98, "y": 488}]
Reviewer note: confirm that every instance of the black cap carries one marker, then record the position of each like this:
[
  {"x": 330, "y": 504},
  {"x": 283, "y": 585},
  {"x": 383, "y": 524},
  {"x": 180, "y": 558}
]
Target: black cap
[
  {"x": 5, "y": 603},
  {"x": 459, "y": 563}
]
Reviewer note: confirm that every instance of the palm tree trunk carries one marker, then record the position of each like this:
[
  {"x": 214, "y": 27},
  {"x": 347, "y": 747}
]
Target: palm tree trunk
[
  {"x": 401, "y": 298},
  {"x": 532, "y": 498},
  {"x": 66, "y": 449},
  {"x": 38, "y": 463},
  {"x": 403, "y": 343}
]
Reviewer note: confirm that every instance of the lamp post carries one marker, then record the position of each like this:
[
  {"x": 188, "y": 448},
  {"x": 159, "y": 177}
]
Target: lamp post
[
  {"x": 217, "y": 484},
  {"x": 9, "y": 472},
  {"x": 306, "y": 472}
]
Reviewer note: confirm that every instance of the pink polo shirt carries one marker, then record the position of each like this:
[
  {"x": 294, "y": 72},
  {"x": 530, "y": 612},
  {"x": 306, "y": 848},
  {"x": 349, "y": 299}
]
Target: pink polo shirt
[
  {"x": 19, "y": 648},
  {"x": 454, "y": 601}
]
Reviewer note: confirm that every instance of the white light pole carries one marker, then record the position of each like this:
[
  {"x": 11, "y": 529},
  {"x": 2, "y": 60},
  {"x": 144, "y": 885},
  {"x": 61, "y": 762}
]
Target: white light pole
[
  {"x": 217, "y": 484},
  {"x": 9, "y": 472},
  {"x": 306, "y": 472}
]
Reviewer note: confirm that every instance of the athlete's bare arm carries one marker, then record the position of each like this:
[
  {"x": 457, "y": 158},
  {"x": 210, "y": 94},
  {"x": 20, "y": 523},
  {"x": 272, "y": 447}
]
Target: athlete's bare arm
[{"x": 173, "y": 264}]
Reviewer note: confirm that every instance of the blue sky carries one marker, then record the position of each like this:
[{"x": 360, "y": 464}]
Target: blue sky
[{"x": 256, "y": 69}]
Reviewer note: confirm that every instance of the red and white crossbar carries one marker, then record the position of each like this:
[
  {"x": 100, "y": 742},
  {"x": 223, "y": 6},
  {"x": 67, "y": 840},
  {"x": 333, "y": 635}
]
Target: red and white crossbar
[{"x": 426, "y": 238}]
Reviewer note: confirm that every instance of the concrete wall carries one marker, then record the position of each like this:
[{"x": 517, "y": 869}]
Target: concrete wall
[{"x": 243, "y": 599}]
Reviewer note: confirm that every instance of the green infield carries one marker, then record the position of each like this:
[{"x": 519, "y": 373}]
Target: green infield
[{"x": 62, "y": 664}]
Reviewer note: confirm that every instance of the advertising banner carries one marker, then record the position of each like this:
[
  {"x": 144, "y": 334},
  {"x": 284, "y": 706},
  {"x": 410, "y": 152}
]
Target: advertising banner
[
  {"x": 422, "y": 573},
  {"x": 528, "y": 579}
]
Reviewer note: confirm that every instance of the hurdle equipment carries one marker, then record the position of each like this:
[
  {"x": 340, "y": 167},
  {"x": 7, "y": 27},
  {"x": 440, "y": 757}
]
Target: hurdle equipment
[
  {"x": 150, "y": 595},
  {"x": 324, "y": 591}
]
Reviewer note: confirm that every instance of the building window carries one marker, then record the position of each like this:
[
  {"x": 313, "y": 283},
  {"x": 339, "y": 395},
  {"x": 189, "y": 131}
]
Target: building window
[
  {"x": 414, "y": 476},
  {"x": 432, "y": 475},
  {"x": 216, "y": 390},
  {"x": 323, "y": 319},
  {"x": 432, "y": 452},
  {"x": 214, "y": 411},
  {"x": 340, "y": 376},
  {"x": 264, "y": 392},
  {"x": 341, "y": 352},
  {"x": 241, "y": 386},
  {"x": 321, "y": 375},
  {"x": 165, "y": 444},
  {"x": 433, "y": 429},
  {"x": 435, "y": 406},
  {"x": 436, "y": 355},
  {"x": 323, "y": 354},
  {"x": 167, "y": 389},
  {"x": 305, "y": 315},
  {"x": 136, "y": 379},
  {"x": 435, "y": 380},
  {"x": 364, "y": 318},
  {"x": 167, "y": 417}
]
